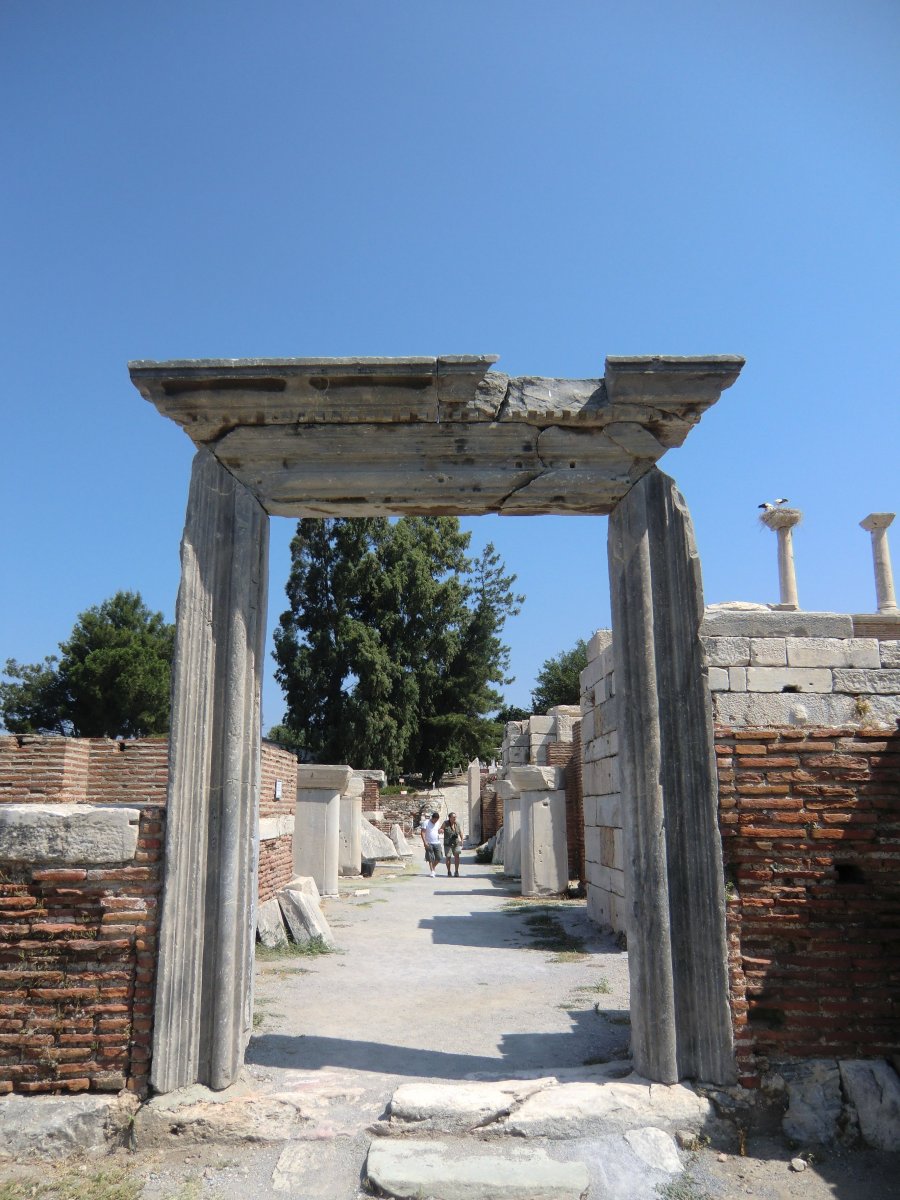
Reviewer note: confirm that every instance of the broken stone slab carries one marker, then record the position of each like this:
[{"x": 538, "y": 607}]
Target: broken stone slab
[
  {"x": 420, "y": 1168},
  {"x": 304, "y": 918},
  {"x": 55, "y": 834},
  {"x": 305, "y": 884},
  {"x": 873, "y": 1087},
  {"x": 374, "y": 845},
  {"x": 401, "y": 845},
  {"x": 269, "y": 926},
  {"x": 590, "y": 1109},
  {"x": 239, "y": 1113},
  {"x": 815, "y": 1102},
  {"x": 51, "y": 1127},
  {"x": 497, "y": 856}
]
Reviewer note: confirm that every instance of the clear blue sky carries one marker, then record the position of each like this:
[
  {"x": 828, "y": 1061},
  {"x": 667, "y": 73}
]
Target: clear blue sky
[{"x": 550, "y": 183}]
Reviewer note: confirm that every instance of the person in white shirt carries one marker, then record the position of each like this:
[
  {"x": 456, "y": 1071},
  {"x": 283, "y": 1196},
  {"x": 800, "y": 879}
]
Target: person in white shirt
[{"x": 431, "y": 840}]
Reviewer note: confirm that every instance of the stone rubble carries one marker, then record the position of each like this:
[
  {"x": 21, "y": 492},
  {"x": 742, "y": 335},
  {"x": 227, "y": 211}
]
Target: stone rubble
[
  {"x": 873, "y": 1088},
  {"x": 269, "y": 926},
  {"x": 374, "y": 844},
  {"x": 304, "y": 918},
  {"x": 53, "y": 1127}
]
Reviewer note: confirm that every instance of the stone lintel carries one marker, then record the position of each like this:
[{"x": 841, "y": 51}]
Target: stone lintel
[
  {"x": 54, "y": 834},
  {"x": 319, "y": 777},
  {"x": 537, "y": 779},
  {"x": 433, "y": 435}
]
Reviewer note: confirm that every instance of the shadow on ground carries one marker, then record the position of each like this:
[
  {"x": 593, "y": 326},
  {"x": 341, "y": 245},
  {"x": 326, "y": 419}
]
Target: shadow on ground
[{"x": 516, "y": 1052}]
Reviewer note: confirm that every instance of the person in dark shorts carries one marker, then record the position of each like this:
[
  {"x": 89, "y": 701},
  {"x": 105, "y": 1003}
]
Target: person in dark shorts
[
  {"x": 452, "y": 842},
  {"x": 431, "y": 840}
]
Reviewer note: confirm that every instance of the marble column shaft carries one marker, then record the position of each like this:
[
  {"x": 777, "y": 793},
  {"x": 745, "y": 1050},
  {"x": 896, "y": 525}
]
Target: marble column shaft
[
  {"x": 205, "y": 971},
  {"x": 677, "y": 949}
]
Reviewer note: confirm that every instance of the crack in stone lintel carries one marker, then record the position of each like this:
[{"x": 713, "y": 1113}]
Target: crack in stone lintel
[{"x": 533, "y": 476}]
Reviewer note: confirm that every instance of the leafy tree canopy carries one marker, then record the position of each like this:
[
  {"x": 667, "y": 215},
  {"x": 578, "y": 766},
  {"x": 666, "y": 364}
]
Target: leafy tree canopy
[
  {"x": 558, "y": 679},
  {"x": 110, "y": 679},
  {"x": 391, "y": 644}
]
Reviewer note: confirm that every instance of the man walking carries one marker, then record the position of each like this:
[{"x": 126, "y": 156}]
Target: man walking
[{"x": 431, "y": 840}]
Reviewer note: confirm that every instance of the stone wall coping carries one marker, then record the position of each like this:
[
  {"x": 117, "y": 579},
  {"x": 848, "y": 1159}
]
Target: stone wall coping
[
  {"x": 505, "y": 789},
  {"x": 725, "y": 622}
]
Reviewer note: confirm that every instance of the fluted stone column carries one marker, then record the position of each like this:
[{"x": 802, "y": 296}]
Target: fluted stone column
[
  {"x": 512, "y": 828},
  {"x": 203, "y": 1007},
  {"x": 350, "y": 851},
  {"x": 877, "y": 524},
  {"x": 675, "y": 907},
  {"x": 544, "y": 851},
  {"x": 317, "y": 827}
]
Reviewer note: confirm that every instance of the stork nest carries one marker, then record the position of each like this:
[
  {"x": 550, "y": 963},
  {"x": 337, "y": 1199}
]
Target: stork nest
[{"x": 781, "y": 518}]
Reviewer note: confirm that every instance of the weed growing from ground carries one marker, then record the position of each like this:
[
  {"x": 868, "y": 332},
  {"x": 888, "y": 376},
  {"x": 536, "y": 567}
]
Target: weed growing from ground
[
  {"x": 72, "y": 1183},
  {"x": 310, "y": 949}
]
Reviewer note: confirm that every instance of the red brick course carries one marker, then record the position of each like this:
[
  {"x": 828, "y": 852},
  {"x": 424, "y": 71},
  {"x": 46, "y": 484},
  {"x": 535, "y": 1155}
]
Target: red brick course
[{"x": 810, "y": 823}]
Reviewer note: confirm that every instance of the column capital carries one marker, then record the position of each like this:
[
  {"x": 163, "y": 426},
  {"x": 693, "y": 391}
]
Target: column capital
[
  {"x": 875, "y": 521},
  {"x": 316, "y": 776}
]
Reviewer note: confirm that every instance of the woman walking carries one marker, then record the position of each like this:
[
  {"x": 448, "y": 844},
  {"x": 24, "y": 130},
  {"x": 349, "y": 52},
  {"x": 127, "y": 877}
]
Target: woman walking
[{"x": 452, "y": 842}]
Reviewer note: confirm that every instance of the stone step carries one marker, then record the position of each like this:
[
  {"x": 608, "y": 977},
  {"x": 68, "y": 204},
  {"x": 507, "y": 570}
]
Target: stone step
[
  {"x": 447, "y": 1171},
  {"x": 548, "y": 1107}
]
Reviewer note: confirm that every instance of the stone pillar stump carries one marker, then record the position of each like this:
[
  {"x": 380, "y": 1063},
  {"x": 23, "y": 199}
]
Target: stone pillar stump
[
  {"x": 544, "y": 851},
  {"x": 512, "y": 828},
  {"x": 317, "y": 827}
]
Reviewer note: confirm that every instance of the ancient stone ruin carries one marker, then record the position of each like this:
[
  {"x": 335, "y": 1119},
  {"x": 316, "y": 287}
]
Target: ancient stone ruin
[{"x": 706, "y": 738}]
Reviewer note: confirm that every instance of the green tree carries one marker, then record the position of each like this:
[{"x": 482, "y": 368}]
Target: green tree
[
  {"x": 111, "y": 678},
  {"x": 391, "y": 642},
  {"x": 558, "y": 679}
]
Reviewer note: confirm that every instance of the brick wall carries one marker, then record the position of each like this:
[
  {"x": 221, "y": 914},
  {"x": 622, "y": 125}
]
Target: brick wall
[
  {"x": 491, "y": 807},
  {"x": 276, "y": 853},
  {"x": 810, "y": 825},
  {"x": 78, "y": 943}
]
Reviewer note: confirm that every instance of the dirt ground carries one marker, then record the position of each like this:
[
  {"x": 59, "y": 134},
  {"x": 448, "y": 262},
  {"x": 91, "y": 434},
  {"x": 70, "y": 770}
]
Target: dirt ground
[{"x": 435, "y": 980}]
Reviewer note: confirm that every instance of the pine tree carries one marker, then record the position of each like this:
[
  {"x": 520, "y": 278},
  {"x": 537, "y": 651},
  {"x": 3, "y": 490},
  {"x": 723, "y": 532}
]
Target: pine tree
[
  {"x": 391, "y": 643},
  {"x": 559, "y": 679},
  {"x": 111, "y": 678}
]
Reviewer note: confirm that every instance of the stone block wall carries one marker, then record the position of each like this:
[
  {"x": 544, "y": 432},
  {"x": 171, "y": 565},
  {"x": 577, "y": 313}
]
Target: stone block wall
[
  {"x": 604, "y": 854},
  {"x": 806, "y": 707},
  {"x": 527, "y": 742}
]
